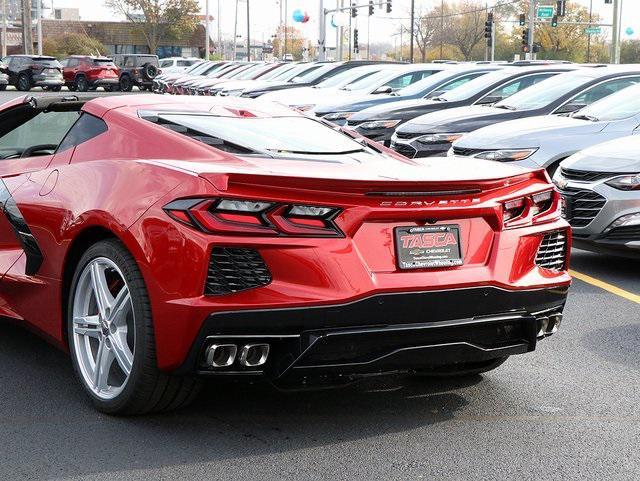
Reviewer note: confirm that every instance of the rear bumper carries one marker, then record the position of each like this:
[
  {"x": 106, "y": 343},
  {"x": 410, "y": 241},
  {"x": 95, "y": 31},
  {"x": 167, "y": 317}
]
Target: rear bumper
[
  {"x": 109, "y": 82},
  {"x": 382, "y": 333}
]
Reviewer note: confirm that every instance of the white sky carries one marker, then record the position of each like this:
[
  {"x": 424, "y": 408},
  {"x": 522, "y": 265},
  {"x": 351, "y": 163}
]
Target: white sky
[{"x": 265, "y": 15}]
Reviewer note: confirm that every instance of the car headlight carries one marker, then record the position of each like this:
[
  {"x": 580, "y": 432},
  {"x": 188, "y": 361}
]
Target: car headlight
[
  {"x": 379, "y": 124},
  {"x": 625, "y": 220},
  {"x": 506, "y": 155},
  {"x": 303, "y": 107},
  {"x": 338, "y": 116},
  {"x": 625, "y": 182},
  {"x": 446, "y": 138}
]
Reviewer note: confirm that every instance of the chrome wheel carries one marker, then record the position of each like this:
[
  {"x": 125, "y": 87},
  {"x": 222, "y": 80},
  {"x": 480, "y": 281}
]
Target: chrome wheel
[{"x": 103, "y": 328}]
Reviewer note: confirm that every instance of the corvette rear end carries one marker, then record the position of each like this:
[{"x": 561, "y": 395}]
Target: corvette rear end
[{"x": 170, "y": 238}]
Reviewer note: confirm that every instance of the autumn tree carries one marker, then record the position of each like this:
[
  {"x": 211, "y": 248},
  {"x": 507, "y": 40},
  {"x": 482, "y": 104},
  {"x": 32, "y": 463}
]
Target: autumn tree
[
  {"x": 73, "y": 44},
  {"x": 466, "y": 27},
  {"x": 295, "y": 42},
  {"x": 159, "y": 20}
]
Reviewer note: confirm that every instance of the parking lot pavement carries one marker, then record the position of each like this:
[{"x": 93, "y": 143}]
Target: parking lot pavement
[{"x": 570, "y": 410}]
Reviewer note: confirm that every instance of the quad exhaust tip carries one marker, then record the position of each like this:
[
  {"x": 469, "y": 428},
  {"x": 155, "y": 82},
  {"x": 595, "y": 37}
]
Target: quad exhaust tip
[{"x": 225, "y": 355}]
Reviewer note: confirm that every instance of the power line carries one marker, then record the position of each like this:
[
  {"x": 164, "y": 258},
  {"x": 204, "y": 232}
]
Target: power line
[{"x": 455, "y": 14}]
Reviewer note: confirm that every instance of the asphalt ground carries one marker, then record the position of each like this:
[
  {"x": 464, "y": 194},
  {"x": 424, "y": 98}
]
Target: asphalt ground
[{"x": 570, "y": 410}]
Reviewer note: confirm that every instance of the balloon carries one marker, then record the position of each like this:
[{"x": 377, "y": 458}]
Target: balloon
[
  {"x": 629, "y": 31},
  {"x": 299, "y": 16}
]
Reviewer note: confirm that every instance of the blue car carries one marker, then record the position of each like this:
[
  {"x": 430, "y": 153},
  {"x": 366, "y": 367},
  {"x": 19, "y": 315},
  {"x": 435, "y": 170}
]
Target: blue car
[{"x": 451, "y": 76}]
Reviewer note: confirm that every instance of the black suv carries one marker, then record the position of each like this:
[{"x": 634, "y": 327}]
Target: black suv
[
  {"x": 136, "y": 70},
  {"x": 28, "y": 71}
]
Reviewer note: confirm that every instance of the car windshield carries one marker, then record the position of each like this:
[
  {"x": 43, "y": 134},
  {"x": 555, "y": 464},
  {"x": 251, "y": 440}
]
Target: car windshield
[
  {"x": 103, "y": 62},
  {"x": 273, "y": 135},
  {"x": 426, "y": 85},
  {"x": 545, "y": 92},
  {"x": 297, "y": 72},
  {"x": 476, "y": 86},
  {"x": 275, "y": 72},
  {"x": 314, "y": 74},
  {"x": 372, "y": 81},
  {"x": 347, "y": 77},
  {"x": 46, "y": 62},
  {"x": 617, "y": 106},
  {"x": 246, "y": 73}
]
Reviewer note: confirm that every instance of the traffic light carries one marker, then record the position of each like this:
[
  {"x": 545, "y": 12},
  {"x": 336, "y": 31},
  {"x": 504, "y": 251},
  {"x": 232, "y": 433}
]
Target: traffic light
[
  {"x": 370, "y": 7},
  {"x": 488, "y": 29},
  {"x": 354, "y": 10},
  {"x": 356, "y": 47},
  {"x": 388, "y": 6},
  {"x": 554, "y": 21},
  {"x": 561, "y": 8},
  {"x": 523, "y": 20},
  {"x": 525, "y": 40}
]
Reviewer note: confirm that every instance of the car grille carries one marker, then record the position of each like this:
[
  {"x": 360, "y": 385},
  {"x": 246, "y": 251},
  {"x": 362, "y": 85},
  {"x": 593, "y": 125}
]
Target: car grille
[
  {"x": 467, "y": 152},
  {"x": 404, "y": 149},
  {"x": 582, "y": 206},
  {"x": 552, "y": 253},
  {"x": 586, "y": 176},
  {"x": 235, "y": 269},
  {"x": 406, "y": 135},
  {"x": 627, "y": 233}
]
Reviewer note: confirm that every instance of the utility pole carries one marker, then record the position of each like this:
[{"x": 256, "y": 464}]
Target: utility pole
[
  {"x": 441, "y": 29},
  {"x": 207, "y": 34},
  {"x": 4, "y": 28},
  {"x": 615, "y": 33},
  {"x": 413, "y": 26},
  {"x": 235, "y": 33},
  {"x": 27, "y": 33},
  {"x": 286, "y": 19},
  {"x": 341, "y": 34},
  {"x": 248, "y": 35},
  {"x": 322, "y": 34},
  {"x": 39, "y": 32},
  {"x": 220, "y": 46},
  {"x": 532, "y": 26},
  {"x": 589, "y": 35}
]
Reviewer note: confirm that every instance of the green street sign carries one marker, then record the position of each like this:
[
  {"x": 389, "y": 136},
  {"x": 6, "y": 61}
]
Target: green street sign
[
  {"x": 545, "y": 12},
  {"x": 593, "y": 30}
]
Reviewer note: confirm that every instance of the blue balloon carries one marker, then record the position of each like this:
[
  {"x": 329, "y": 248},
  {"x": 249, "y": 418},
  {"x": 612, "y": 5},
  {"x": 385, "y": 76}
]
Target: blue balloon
[
  {"x": 298, "y": 15},
  {"x": 629, "y": 31}
]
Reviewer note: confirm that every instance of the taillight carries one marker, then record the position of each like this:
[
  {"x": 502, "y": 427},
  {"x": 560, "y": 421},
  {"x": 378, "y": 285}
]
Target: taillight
[
  {"x": 255, "y": 217},
  {"x": 540, "y": 207}
]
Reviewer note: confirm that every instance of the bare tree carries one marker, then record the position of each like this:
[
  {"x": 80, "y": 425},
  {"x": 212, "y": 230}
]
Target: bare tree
[
  {"x": 426, "y": 29},
  {"x": 465, "y": 29},
  {"x": 159, "y": 19},
  {"x": 27, "y": 33}
]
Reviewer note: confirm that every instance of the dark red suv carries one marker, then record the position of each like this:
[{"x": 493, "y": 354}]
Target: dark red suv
[{"x": 83, "y": 72}]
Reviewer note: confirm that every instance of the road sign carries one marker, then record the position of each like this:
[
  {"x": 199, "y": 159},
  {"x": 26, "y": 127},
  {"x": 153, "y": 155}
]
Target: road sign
[
  {"x": 545, "y": 12},
  {"x": 593, "y": 30}
]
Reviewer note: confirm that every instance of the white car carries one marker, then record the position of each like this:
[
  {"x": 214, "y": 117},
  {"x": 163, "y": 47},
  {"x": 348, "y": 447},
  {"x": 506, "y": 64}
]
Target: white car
[
  {"x": 370, "y": 79},
  {"x": 545, "y": 141},
  {"x": 177, "y": 64}
]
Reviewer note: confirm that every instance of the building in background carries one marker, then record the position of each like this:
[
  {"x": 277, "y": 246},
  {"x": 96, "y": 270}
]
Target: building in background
[
  {"x": 66, "y": 14},
  {"x": 124, "y": 37}
]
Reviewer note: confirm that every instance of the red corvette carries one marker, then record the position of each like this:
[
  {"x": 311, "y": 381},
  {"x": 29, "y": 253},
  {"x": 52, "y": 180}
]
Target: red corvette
[{"x": 164, "y": 239}]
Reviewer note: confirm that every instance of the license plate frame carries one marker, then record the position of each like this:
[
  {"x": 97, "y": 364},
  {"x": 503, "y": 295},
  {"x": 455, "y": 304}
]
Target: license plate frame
[{"x": 428, "y": 247}]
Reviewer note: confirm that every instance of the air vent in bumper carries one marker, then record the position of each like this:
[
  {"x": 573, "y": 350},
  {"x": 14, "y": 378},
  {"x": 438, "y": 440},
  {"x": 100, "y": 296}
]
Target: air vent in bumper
[
  {"x": 234, "y": 269},
  {"x": 552, "y": 253}
]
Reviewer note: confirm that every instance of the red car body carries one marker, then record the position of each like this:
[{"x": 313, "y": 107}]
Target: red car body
[
  {"x": 82, "y": 72},
  {"x": 333, "y": 298}
]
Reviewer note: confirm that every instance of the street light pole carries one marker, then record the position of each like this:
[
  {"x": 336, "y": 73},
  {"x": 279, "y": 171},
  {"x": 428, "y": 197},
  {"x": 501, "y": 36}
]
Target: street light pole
[
  {"x": 235, "y": 33},
  {"x": 4, "y": 28},
  {"x": 532, "y": 26},
  {"x": 413, "y": 14},
  {"x": 207, "y": 33},
  {"x": 248, "y": 35}
]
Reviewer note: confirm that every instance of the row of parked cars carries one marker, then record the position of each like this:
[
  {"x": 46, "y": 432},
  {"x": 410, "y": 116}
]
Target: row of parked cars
[
  {"x": 573, "y": 120},
  {"x": 85, "y": 72}
]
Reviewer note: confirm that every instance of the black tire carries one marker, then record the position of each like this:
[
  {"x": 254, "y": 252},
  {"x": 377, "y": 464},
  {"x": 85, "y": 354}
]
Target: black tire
[
  {"x": 82, "y": 85},
  {"x": 150, "y": 71},
  {"x": 108, "y": 88},
  {"x": 126, "y": 84},
  {"x": 148, "y": 389},
  {"x": 56, "y": 88},
  {"x": 24, "y": 83},
  {"x": 462, "y": 369},
  {"x": 71, "y": 87}
]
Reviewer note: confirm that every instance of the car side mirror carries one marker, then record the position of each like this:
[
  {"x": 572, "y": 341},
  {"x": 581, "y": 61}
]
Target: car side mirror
[
  {"x": 569, "y": 108},
  {"x": 385, "y": 89}
]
